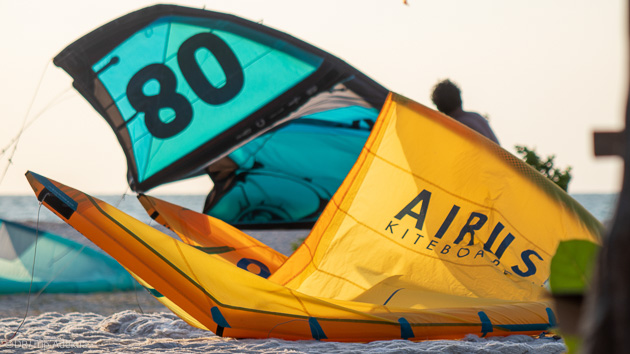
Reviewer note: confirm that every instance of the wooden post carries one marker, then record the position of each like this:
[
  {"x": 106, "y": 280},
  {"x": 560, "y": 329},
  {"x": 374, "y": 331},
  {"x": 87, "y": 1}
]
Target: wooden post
[
  {"x": 606, "y": 321},
  {"x": 606, "y": 318}
]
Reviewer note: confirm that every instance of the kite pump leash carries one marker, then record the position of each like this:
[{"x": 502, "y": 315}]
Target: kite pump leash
[{"x": 28, "y": 302}]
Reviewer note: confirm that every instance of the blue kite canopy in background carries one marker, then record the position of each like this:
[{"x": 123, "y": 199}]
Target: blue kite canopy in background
[
  {"x": 61, "y": 265},
  {"x": 275, "y": 122},
  {"x": 291, "y": 172}
]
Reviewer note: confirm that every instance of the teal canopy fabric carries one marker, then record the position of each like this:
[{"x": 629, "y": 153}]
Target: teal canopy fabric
[
  {"x": 61, "y": 265},
  {"x": 291, "y": 172},
  {"x": 189, "y": 91}
]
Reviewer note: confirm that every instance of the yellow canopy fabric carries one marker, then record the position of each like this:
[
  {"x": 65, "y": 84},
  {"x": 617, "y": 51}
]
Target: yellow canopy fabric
[
  {"x": 433, "y": 207},
  {"x": 435, "y": 233},
  {"x": 214, "y": 236}
]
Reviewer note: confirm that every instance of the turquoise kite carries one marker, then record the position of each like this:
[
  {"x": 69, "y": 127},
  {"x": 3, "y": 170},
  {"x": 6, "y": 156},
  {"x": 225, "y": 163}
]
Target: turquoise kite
[
  {"x": 275, "y": 122},
  {"x": 61, "y": 265}
]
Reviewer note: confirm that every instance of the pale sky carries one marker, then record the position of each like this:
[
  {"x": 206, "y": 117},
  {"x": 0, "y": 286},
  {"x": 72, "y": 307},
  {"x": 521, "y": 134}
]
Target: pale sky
[{"x": 547, "y": 72}]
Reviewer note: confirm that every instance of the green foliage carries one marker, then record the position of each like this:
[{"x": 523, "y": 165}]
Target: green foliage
[
  {"x": 572, "y": 267},
  {"x": 559, "y": 177},
  {"x": 297, "y": 243},
  {"x": 573, "y": 343}
]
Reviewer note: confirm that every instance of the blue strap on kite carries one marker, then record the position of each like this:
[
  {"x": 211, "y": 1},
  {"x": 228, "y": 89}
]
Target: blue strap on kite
[
  {"x": 406, "y": 331},
  {"x": 67, "y": 200},
  {"x": 392, "y": 295},
  {"x": 316, "y": 330},
  {"x": 55, "y": 197},
  {"x": 264, "y": 270},
  {"x": 154, "y": 292},
  {"x": 218, "y": 318},
  {"x": 486, "y": 325},
  {"x": 552, "y": 318}
]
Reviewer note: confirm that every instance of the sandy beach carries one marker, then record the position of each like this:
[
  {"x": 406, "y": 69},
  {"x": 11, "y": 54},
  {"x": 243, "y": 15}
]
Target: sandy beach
[
  {"x": 163, "y": 332},
  {"x": 135, "y": 321}
]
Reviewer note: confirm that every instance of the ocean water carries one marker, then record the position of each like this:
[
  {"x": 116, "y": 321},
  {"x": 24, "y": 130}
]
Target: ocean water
[{"x": 26, "y": 208}]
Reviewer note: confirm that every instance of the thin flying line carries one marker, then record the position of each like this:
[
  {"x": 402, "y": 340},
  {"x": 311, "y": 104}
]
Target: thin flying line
[
  {"x": 24, "y": 121},
  {"x": 28, "y": 302}
]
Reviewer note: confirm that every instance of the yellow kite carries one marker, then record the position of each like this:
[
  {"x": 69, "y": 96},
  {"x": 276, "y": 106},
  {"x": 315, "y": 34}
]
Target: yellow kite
[{"x": 435, "y": 233}]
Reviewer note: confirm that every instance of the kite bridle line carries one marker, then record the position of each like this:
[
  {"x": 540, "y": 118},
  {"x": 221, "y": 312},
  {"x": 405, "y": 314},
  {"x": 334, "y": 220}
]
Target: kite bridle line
[
  {"x": 28, "y": 302},
  {"x": 25, "y": 123}
]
